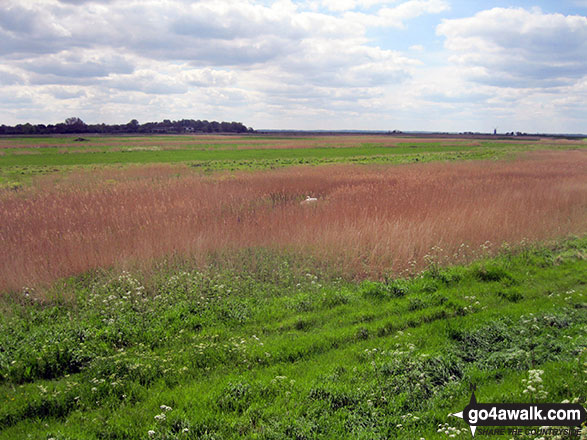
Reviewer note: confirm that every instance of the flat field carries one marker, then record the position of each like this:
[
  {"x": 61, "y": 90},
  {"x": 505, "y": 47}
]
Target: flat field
[
  {"x": 21, "y": 158},
  {"x": 177, "y": 288}
]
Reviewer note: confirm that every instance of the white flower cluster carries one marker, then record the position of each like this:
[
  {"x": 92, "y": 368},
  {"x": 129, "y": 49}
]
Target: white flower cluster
[
  {"x": 161, "y": 417},
  {"x": 409, "y": 417},
  {"x": 486, "y": 246},
  {"x": 451, "y": 431},
  {"x": 569, "y": 294},
  {"x": 313, "y": 279},
  {"x": 120, "y": 294},
  {"x": 285, "y": 385},
  {"x": 29, "y": 292},
  {"x": 461, "y": 252},
  {"x": 534, "y": 384},
  {"x": 472, "y": 303}
]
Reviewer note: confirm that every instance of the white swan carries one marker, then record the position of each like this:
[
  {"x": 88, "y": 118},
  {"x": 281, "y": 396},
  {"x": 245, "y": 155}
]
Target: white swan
[{"x": 309, "y": 200}]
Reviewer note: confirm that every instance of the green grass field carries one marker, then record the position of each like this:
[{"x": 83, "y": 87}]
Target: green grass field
[
  {"x": 23, "y": 158},
  {"x": 279, "y": 353},
  {"x": 172, "y": 156}
]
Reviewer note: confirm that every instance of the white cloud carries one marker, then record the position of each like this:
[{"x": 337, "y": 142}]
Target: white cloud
[
  {"x": 9, "y": 77},
  {"x": 11, "y": 96},
  {"x": 77, "y": 65},
  {"x": 67, "y": 92},
  {"x": 278, "y": 53},
  {"x": 397, "y": 16},
  {"x": 146, "y": 81},
  {"x": 411, "y": 9},
  {"x": 347, "y": 5},
  {"x": 305, "y": 64},
  {"x": 519, "y": 48},
  {"x": 208, "y": 77}
]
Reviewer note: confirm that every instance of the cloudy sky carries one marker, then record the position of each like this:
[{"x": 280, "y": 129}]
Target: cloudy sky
[{"x": 451, "y": 65}]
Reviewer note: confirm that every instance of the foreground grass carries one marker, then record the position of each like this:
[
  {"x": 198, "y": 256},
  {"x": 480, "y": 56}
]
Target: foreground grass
[{"x": 280, "y": 353}]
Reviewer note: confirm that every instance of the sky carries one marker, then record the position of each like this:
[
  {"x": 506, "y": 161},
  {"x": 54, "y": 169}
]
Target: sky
[{"x": 430, "y": 65}]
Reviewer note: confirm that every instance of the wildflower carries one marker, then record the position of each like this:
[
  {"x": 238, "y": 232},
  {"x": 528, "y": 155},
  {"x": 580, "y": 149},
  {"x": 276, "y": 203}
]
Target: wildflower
[
  {"x": 151, "y": 433},
  {"x": 165, "y": 408}
]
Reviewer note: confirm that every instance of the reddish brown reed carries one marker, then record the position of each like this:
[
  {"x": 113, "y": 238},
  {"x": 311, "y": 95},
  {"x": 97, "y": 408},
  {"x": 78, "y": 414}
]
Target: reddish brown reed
[
  {"x": 116, "y": 143},
  {"x": 368, "y": 219}
]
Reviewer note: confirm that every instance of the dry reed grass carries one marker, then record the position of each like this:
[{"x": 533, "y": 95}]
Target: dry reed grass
[
  {"x": 227, "y": 142},
  {"x": 368, "y": 220}
]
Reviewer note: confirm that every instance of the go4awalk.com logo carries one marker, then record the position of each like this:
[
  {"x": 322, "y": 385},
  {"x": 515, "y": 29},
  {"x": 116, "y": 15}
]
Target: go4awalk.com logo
[{"x": 570, "y": 415}]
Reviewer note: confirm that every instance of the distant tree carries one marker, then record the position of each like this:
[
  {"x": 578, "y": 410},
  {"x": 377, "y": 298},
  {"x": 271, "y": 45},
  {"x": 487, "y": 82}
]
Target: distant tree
[
  {"x": 27, "y": 128},
  {"x": 74, "y": 121},
  {"x": 76, "y": 125},
  {"x": 214, "y": 127},
  {"x": 132, "y": 126}
]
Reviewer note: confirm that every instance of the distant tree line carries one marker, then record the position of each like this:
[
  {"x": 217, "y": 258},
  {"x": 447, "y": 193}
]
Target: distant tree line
[{"x": 76, "y": 125}]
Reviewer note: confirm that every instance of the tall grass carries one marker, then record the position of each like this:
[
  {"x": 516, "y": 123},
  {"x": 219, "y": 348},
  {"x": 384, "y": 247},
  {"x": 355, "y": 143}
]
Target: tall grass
[{"x": 368, "y": 221}]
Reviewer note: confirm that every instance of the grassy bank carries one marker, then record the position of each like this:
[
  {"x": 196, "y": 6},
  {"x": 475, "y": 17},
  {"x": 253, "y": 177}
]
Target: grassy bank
[{"x": 281, "y": 350}]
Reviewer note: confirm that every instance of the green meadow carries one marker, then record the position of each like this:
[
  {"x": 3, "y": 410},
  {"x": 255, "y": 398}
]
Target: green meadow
[
  {"x": 23, "y": 158},
  {"x": 279, "y": 353},
  {"x": 188, "y": 155}
]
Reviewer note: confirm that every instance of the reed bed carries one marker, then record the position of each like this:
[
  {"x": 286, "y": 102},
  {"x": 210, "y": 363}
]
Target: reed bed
[
  {"x": 222, "y": 142},
  {"x": 369, "y": 221}
]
